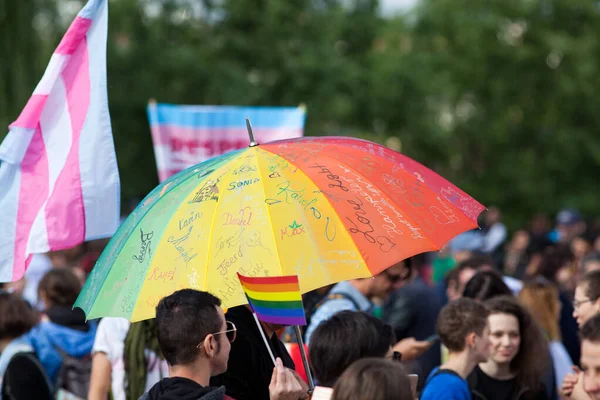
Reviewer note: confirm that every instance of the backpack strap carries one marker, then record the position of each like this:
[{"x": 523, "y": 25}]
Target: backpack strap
[
  {"x": 440, "y": 372},
  {"x": 59, "y": 379}
]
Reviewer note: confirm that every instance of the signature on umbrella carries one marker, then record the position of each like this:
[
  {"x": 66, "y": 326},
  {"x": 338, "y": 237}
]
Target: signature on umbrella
[
  {"x": 229, "y": 242},
  {"x": 331, "y": 176},
  {"x": 145, "y": 247},
  {"x": 185, "y": 222},
  {"x": 295, "y": 229},
  {"x": 183, "y": 252},
  {"x": 296, "y": 195},
  {"x": 385, "y": 243},
  {"x": 244, "y": 217}
]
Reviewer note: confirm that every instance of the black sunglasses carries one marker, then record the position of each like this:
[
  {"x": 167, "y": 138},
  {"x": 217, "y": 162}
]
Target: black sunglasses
[{"x": 399, "y": 277}]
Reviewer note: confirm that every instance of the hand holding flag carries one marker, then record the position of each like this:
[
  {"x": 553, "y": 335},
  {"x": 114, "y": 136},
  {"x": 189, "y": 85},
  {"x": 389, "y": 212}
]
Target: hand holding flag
[{"x": 277, "y": 300}]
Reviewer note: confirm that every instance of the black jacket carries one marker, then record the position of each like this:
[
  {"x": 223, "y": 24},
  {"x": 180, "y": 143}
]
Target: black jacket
[
  {"x": 477, "y": 388},
  {"x": 412, "y": 311},
  {"x": 250, "y": 367},
  {"x": 182, "y": 389},
  {"x": 67, "y": 317},
  {"x": 569, "y": 330}
]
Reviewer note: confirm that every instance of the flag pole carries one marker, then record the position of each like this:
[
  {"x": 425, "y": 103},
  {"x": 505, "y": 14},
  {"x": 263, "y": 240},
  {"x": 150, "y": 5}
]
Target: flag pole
[
  {"x": 250, "y": 133},
  {"x": 311, "y": 383},
  {"x": 262, "y": 333}
]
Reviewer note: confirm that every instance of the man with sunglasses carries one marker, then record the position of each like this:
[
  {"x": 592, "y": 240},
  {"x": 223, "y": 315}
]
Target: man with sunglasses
[
  {"x": 195, "y": 340},
  {"x": 357, "y": 295}
]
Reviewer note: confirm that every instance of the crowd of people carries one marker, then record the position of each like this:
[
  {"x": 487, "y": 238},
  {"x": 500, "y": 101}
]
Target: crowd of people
[{"x": 488, "y": 317}]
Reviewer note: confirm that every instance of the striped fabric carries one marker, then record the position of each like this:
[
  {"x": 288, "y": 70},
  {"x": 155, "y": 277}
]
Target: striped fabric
[
  {"x": 58, "y": 169},
  {"x": 275, "y": 299},
  {"x": 187, "y": 135}
]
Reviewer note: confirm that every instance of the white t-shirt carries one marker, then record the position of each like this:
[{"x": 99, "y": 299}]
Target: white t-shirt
[
  {"x": 39, "y": 265},
  {"x": 110, "y": 339}
]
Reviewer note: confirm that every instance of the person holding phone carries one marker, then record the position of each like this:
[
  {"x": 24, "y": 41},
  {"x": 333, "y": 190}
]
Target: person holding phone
[{"x": 412, "y": 311}]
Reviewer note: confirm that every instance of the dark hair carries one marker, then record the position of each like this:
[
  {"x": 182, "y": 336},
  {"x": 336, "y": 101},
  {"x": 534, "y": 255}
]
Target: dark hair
[
  {"x": 344, "y": 338},
  {"x": 454, "y": 274},
  {"x": 590, "y": 258},
  {"x": 532, "y": 359},
  {"x": 484, "y": 285},
  {"x": 591, "y": 330},
  {"x": 459, "y": 319},
  {"x": 16, "y": 316},
  {"x": 478, "y": 261},
  {"x": 141, "y": 336},
  {"x": 591, "y": 282},
  {"x": 373, "y": 379},
  {"x": 183, "y": 320},
  {"x": 474, "y": 262},
  {"x": 60, "y": 286},
  {"x": 553, "y": 260}
]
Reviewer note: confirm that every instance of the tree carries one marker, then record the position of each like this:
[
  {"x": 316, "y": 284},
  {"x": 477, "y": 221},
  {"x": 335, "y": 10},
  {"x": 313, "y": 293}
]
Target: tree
[
  {"x": 500, "y": 97},
  {"x": 28, "y": 28}
]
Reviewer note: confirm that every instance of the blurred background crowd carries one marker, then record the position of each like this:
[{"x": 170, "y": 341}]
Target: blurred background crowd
[{"x": 498, "y": 97}]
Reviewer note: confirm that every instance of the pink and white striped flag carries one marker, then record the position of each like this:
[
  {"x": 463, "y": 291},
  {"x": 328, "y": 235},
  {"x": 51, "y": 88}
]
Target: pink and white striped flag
[{"x": 59, "y": 183}]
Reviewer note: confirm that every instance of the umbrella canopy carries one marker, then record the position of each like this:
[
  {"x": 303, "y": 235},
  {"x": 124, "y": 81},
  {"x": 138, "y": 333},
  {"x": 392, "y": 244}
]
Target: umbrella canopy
[{"x": 326, "y": 209}]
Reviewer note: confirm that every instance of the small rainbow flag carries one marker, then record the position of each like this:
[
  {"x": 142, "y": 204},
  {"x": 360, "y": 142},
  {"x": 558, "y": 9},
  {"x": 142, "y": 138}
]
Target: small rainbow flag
[{"x": 276, "y": 300}]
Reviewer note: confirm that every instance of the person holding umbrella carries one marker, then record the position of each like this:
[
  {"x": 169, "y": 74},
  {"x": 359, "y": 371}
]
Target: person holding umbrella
[
  {"x": 195, "y": 339},
  {"x": 324, "y": 209}
]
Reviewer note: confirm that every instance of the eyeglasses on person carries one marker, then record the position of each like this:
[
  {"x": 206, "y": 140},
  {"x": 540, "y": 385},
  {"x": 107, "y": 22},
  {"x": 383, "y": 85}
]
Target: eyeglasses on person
[{"x": 230, "y": 332}]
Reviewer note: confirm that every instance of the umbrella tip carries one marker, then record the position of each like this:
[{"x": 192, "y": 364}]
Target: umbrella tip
[{"x": 250, "y": 133}]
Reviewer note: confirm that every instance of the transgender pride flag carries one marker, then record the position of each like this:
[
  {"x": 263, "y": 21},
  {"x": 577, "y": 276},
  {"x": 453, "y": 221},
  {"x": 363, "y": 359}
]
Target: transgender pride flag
[
  {"x": 59, "y": 183},
  {"x": 187, "y": 135}
]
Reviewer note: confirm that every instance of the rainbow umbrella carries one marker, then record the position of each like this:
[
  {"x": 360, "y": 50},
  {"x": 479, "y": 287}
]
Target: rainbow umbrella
[{"x": 326, "y": 209}]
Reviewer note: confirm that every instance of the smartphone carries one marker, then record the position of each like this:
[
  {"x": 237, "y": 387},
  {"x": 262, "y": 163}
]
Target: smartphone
[
  {"x": 432, "y": 338},
  {"x": 322, "y": 393},
  {"x": 414, "y": 380}
]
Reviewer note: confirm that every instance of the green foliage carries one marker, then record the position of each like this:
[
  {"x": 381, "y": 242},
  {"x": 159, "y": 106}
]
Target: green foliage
[
  {"x": 500, "y": 97},
  {"x": 25, "y": 52}
]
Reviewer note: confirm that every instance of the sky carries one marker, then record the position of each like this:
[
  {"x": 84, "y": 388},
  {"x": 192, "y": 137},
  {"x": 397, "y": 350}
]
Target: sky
[{"x": 395, "y": 6}]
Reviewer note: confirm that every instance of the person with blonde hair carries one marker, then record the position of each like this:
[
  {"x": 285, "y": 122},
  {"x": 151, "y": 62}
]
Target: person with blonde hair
[
  {"x": 373, "y": 379},
  {"x": 541, "y": 298}
]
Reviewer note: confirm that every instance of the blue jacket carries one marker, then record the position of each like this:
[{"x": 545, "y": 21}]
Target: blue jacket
[{"x": 46, "y": 337}]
